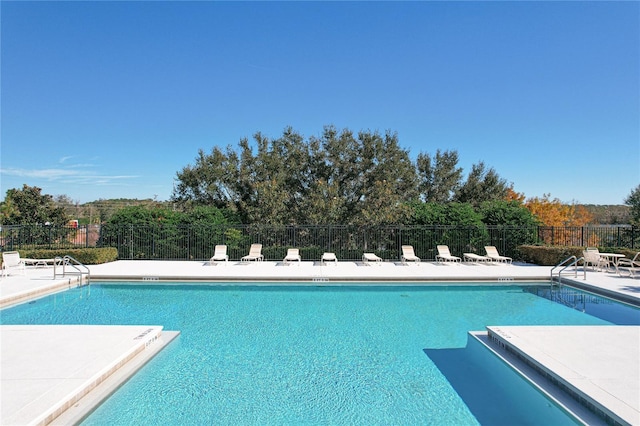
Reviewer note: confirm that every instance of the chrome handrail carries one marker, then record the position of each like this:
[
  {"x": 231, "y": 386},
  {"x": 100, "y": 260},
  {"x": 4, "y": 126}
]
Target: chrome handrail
[
  {"x": 78, "y": 268},
  {"x": 567, "y": 263}
]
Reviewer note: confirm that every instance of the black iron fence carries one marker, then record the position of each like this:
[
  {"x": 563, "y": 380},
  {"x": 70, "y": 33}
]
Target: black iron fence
[{"x": 197, "y": 242}]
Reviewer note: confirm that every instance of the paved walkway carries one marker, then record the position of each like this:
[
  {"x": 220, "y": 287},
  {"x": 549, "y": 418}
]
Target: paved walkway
[{"x": 54, "y": 357}]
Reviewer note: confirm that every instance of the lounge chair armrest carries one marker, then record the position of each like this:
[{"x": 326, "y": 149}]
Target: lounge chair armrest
[{"x": 624, "y": 262}]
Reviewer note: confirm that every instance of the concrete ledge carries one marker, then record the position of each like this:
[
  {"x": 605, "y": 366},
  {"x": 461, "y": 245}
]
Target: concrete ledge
[
  {"x": 598, "y": 366},
  {"x": 612, "y": 293},
  {"x": 42, "y": 290},
  {"x": 86, "y": 405},
  {"x": 46, "y": 369}
]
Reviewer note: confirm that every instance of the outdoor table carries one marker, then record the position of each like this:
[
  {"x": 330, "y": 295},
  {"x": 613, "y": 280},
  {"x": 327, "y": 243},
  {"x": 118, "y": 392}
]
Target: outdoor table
[{"x": 611, "y": 258}]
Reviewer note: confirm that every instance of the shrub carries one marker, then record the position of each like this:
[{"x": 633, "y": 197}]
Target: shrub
[
  {"x": 553, "y": 255},
  {"x": 87, "y": 256}
]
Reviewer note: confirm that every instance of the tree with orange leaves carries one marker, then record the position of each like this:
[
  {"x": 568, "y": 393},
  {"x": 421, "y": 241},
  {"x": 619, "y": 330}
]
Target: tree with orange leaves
[
  {"x": 512, "y": 195},
  {"x": 553, "y": 213}
]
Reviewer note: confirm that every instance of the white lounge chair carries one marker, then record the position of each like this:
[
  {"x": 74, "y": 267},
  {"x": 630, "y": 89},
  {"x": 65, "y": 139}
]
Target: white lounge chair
[
  {"x": 408, "y": 255},
  {"x": 328, "y": 257},
  {"x": 11, "y": 261},
  {"x": 492, "y": 252},
  {"x": 592, "y": 257},
  {"x": 219, "y": 254},
  {"x": 255, "y": 253},
  {"x": 444, "y": 255},
  {"x": 293, "y": 255},
  {"x": 632, "y": 266},
  {"x": 38, "y": 262},
  {"x": 371, "y": 257},
  {"x": 472, "y": 257}
]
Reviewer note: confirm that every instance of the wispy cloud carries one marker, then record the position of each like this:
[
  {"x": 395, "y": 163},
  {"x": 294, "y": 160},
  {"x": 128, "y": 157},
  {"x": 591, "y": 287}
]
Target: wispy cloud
[
  {"x": 81, "y": 165},
  {"x": 50, "y": 174},
  {"x": 67, "y": 175}
]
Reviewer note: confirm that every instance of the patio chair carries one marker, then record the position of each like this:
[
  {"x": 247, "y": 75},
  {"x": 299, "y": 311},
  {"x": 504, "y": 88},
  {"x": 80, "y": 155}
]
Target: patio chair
[
  {"x": 371, "y": 257},
  {"x": 255, "y": 253},
  {"x": 38, "y": 262},
  {"x": 328, "y": 257},
  {"x": 444, "y": 255},
  {"x": 293, "y": 255},
  {"x": 219, "y": 254},
  {"x": 11, "y": 261},
  {"x": 408, "y": 255},
  {"x": 632, "y": 266},
  {"x": 492, "y": 253},
  {"x": 592, "y": 257},
  {"x": 472, "y": 257}
]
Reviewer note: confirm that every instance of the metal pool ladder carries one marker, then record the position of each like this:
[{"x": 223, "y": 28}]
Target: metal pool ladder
[
  {"x": 71, "y": 266},
  {"x": 567, "y": 263}
]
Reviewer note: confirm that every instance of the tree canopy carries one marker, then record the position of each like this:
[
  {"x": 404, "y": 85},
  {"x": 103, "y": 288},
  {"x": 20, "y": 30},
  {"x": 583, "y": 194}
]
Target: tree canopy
[
  {"x": 28, "y": 206},
  {"x": 552, "y": 212},
  {"x": 339, "y": 177},
  {"x": 633, "y": 200}
]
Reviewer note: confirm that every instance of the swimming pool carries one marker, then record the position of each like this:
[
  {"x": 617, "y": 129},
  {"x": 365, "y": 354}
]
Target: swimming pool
[{"x": 309, "y": 355}]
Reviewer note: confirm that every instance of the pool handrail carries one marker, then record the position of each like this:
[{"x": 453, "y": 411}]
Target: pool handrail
[
  {"x": 567, "y": 264},
  {"x": 79, "y": 268}
]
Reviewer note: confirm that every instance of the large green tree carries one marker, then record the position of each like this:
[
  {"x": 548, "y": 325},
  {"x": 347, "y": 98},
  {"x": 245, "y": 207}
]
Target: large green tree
[
  {"x": 338, "y": 177},
  {"x": 510, "y": 222},
  {"x": 28, "y": 206},
  {"x": 449, "y": 214},
  {"x": 369, "y": 175},
  {"x": 439, "y": 176},
  {"x": 458, "y": 225},
  {"x": 149, "y": 232},
  {"x": 506, "y": 213},
  {"x": 633, "y": 200},
  {"x": 42, "y": 220},
  {"x": 483, "y": 184}
]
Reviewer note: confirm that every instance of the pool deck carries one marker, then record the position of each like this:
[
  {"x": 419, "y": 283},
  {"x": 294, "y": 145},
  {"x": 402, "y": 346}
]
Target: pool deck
[{"x": 45, "y": 369}]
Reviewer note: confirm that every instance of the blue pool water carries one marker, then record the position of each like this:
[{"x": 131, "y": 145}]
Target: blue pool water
[{"x": 318, "y": 355}]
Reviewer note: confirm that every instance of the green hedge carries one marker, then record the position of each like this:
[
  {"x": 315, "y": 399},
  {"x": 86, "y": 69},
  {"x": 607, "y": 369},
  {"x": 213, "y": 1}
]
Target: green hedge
[
  {"x": 88, "y": 256},
  {"x": 553, "y": 255}
]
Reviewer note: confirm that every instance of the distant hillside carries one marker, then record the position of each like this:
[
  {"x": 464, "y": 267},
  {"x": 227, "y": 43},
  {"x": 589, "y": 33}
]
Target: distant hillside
[
  {"x": 609, "y": 214},
  {"x": 101, "y": 210}
]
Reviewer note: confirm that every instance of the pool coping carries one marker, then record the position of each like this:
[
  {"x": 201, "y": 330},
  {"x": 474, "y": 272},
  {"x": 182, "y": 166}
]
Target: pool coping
[
  {"x": 91, "y": 401},
  {"x": 572, "y": 407},
  {"x": 599, "y": 290}
]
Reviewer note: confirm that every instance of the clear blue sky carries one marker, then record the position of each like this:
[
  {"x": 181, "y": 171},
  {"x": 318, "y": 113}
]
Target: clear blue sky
[{"x": 111, "y": 99}]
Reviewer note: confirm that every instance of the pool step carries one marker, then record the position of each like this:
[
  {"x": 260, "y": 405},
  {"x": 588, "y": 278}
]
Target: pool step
[{"x": 604, "y": 378}]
